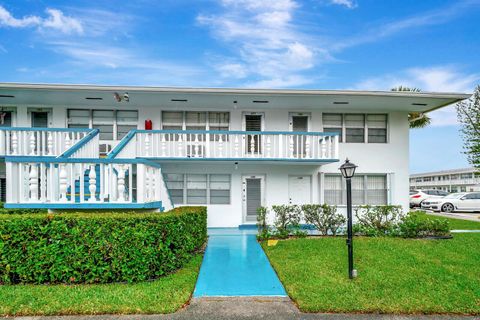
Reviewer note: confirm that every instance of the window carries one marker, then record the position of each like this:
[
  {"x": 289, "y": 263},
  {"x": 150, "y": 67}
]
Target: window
[
  {"x": 219, "y": 188},
  {"x": 333, "y": 123},
  {"x": 103, "y": 120},
  {"x": 126, "y": 121},
  {"x": 78, "y": 118},
  {"x": 357, "y": 128},
  {"x": 5, "y": 118},
  {"x": 194, "y": 120},
  {"x": 377, "y": 128},
  {"x": 377, "y": 189},
  {"x": 466, "y": 176},
  {"x": 113, "y": 124},
  {"x": 472, "y": 196},
  {"x": 219, "y": 121},
  {"x": 172, "y": 120},
  {"x": 199, "y": 188},
  {"x": 354, "y": 128},
  {"x": 196, "y": 188},
  {"x": 175, "y": 185},
  {"x": 333, "y": 189},
  {"x": 366, "y": 189}
]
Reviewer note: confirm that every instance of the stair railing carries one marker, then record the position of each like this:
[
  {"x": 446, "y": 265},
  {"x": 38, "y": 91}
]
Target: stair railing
[{"x": 18, "y": 141}]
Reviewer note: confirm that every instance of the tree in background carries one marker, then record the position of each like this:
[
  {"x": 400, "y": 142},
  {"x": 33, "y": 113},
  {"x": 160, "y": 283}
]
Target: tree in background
[
  {"x": 416, "y": 119},
  {"x": 468, "y": 113}
]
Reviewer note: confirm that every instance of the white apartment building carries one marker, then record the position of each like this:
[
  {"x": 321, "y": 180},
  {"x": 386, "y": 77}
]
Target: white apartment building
[
  {"x": 456, "y": 180},
  {"x": 117, "y": 147}
]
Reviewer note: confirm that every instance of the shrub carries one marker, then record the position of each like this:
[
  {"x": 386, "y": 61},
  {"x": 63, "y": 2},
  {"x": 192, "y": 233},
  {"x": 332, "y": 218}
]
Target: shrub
[
  {"x": 262, "y": 225},
  {"x": 412, "y": 226},
  {"x": 378, "y": 220},
  {"x": 324, "y": 217},
  {"x": 98, "y": 247},
  {"x": 287, "y": 220}
]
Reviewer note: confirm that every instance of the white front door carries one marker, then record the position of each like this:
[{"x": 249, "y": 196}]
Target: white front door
[
  {"x": 299, "y": 189},
  {"x": 253, "y": 194}
]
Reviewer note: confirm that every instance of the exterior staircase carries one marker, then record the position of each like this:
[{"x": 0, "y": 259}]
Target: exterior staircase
[{"x": 61, "y": 169}]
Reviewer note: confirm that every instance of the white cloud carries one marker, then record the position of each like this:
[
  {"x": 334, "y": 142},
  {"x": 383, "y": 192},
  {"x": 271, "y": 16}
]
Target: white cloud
[
  {"x": 350, "y": 4},
  {"x": 424, "y": 19},
  {"x": 6, "y": 19},
  {"x": 58, "y": 21},
  {"x": 265, "y": 40},
  {"x": 233, "y": 70},
  {"x": 434, "y": 79},
  {"x": 55, "y": 20}
]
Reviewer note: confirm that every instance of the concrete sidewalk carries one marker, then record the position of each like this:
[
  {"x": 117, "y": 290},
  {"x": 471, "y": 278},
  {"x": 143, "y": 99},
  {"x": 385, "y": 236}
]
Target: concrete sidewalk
[
  {"x": 457, "y": 215},
  {"x": 247, "y": 308}
]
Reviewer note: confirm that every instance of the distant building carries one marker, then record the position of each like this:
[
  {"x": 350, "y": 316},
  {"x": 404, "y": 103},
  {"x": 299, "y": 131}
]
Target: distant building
[{"x": 456, "y": 180}]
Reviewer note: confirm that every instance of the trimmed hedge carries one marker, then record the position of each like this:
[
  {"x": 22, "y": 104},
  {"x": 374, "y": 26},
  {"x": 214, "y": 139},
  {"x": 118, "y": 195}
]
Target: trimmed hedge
[{"x": 98, "y": 247}]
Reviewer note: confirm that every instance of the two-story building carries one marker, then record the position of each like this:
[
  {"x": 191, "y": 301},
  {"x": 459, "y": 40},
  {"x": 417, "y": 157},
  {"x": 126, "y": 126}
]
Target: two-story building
[
  {"x": 455, "y": 180},
  {"x": 88, "y": 146}
]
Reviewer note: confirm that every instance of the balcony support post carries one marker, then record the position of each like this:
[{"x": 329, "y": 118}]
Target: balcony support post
[{"x": 33, "y": 183}]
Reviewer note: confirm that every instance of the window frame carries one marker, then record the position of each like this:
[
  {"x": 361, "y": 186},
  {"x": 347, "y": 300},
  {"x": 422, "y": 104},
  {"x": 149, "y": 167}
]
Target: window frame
[
  {"x": 208, "y": 188},
  {"x": 364, "y": 190},
  {"x": 343, "y": 137},
  {"x": 115, "y": 124},
  {"x": 184, "y": 119}
]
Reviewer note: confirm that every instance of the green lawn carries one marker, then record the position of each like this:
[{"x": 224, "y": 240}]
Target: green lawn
[
  {"x": 164, "y": 295},
  {"x": 455, "y": 224},
  {"x": 394, "y": 275}
]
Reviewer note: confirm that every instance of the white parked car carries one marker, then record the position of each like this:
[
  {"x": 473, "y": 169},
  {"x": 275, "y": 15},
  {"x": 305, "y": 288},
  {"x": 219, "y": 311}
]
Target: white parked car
[
  {"x": 462, "y": 201},
  {"x": 417, "y": 196}
]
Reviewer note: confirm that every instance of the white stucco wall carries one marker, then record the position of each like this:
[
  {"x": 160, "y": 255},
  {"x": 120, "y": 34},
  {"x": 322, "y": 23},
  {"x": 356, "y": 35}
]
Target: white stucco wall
[{"x": 390, "y": 158}]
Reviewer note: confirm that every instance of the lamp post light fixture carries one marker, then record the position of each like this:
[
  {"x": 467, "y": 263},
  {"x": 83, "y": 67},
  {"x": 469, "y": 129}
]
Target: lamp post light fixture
[{"x": 348, "y": 171}]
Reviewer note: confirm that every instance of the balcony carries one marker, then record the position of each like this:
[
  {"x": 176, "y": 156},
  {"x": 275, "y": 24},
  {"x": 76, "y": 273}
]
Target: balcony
[
  {"x": 38, "y": 141},
  {"x": 308, "y": 147}
]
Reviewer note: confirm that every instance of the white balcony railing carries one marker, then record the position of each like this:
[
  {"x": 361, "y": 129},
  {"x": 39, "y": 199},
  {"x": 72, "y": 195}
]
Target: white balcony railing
[
  {"x": 38, "y": 141},
  {"x": 169, "y": 144},
  {"x": 92, "y": 181}
]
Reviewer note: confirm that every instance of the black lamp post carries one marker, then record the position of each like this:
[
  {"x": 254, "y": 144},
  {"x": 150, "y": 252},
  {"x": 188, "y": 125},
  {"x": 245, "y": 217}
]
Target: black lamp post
[{"x": 348, "y": 171}]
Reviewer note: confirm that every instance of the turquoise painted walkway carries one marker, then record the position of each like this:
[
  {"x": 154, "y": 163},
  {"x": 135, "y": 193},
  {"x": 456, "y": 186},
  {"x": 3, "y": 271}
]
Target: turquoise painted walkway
[{"x": 234, "y": 264}]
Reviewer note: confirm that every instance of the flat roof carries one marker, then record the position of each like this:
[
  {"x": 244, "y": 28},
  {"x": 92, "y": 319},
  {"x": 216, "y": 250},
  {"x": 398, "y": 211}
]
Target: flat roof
[
  {"x": 76, "y": 94},
  {"x": 443, "y": 172}
]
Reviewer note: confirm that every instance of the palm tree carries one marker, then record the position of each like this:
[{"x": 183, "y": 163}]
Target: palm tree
[{"x": 416, "y": 119}]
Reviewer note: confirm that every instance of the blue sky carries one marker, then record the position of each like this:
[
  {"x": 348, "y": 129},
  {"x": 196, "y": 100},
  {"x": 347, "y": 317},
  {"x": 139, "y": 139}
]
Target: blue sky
[{"x": 324, "y": 44}]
